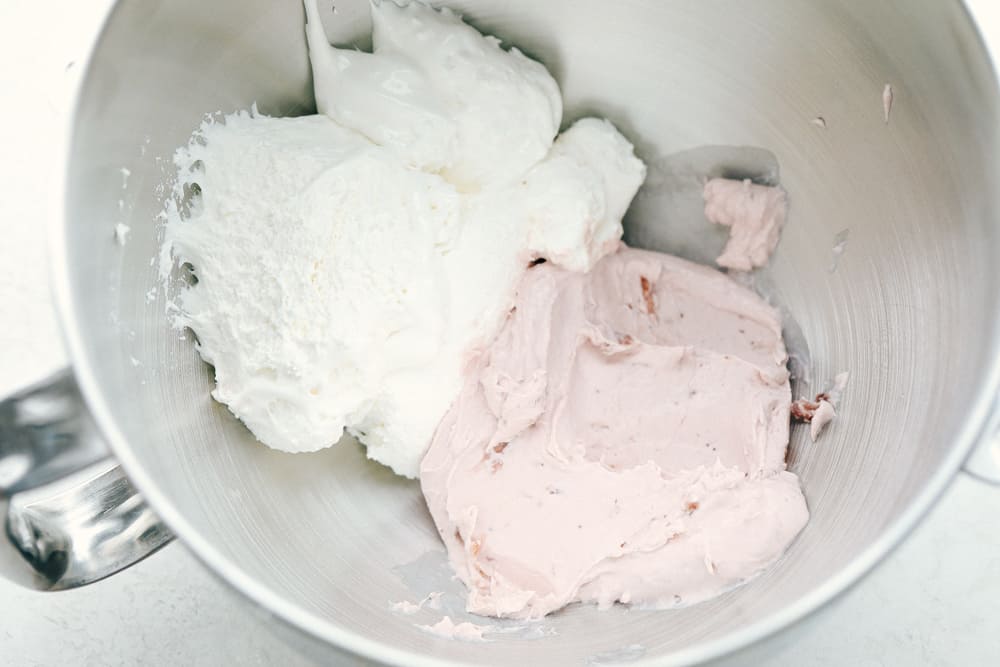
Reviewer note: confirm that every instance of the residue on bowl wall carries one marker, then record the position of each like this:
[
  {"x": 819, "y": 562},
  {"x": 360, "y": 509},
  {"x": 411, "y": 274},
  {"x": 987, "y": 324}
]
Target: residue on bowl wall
[
  {"x": 822, "y": 409},
  {"x": 839, "y": 246},
  {"x": 121, "y": 233},
  {"x": 449, "y": 629},
  {"x": 431, "y": 601}
]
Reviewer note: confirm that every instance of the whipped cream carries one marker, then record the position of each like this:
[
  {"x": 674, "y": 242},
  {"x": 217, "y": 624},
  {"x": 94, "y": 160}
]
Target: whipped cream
[
  {"x": 350, "y": 264},
  {"x": 622, "y": 440},
  {"x": 439, "y": 94}
]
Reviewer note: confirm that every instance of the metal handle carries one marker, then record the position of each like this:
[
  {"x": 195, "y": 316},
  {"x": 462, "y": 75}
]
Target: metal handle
[{"x": 70, "y": 516}]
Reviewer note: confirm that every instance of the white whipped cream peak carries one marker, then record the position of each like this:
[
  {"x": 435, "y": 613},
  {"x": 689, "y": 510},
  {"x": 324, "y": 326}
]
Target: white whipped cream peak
[{"x": 346, "y": 273}]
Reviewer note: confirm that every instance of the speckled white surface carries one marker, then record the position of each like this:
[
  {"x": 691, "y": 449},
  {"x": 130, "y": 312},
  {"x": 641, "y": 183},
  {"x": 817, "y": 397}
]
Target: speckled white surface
[{"x": 936, "y": 601}]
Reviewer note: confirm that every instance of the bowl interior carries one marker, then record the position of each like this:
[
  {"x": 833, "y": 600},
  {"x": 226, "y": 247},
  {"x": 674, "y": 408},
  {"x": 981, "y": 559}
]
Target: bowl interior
[{"x": 909, "y": 308}]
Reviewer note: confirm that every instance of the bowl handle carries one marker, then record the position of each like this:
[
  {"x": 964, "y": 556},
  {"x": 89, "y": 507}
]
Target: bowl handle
[{"x": 69, "y": 515}]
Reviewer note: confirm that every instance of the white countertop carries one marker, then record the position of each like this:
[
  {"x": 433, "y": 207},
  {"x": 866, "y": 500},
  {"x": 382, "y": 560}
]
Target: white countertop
[{"x": 936, "y": 601}]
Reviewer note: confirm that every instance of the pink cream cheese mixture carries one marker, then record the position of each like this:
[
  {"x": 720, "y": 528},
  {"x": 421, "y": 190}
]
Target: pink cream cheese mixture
[
  {"x": 754, "y": 214},
  {"x": 622, "y": 440}
]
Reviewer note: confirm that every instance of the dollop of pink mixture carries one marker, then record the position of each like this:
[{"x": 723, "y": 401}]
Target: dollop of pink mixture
[
  {"x": 622, "y": 440},
  {"x": 754, "y": 214}
]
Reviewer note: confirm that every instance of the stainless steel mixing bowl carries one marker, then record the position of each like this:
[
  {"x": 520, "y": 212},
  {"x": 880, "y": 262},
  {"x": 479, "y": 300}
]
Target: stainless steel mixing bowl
[{"x": 323, "y": 542}]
